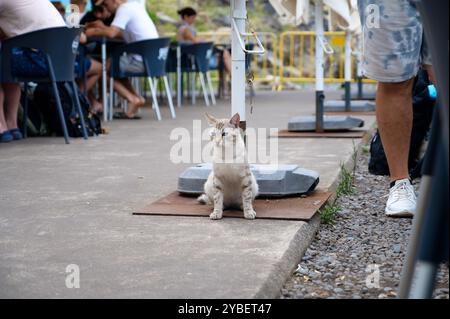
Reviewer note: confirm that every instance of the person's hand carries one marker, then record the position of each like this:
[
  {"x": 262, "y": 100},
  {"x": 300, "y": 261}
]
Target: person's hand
[
  {"x": 95, "y": 24},
  {"x": 83, "y": 38}
]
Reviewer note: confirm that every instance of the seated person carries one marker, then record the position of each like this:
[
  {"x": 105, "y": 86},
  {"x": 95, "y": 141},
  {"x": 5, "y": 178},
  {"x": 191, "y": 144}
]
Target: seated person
[
  {"x": 97, "y": 13},
  {"x": 19, "y": 17},
  {"x": 81, "y": 7},
  {"x": 61, "y": 9},
  {"x": 187, "y": 34},
  {"x": 131, "y": 23},
  {"x": 93, "y": 67}
]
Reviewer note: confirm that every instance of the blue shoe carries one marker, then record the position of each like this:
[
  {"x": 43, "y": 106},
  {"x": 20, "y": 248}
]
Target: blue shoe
[
  {"x": 6, "y": 137},
  {"x": 16, "y": 133}
]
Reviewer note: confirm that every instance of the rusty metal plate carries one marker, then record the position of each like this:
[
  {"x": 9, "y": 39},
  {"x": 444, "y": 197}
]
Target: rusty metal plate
[
  {"x": 294, "y": 208},
  {"x": 331, "y": 134}
]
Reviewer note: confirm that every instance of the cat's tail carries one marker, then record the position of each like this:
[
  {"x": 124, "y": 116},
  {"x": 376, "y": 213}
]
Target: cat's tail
[{"x": 203, "y": 199}]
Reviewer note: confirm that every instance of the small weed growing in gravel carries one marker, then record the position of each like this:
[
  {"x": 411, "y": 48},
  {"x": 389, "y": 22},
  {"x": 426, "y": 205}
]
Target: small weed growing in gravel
[
  {"x": 366, "y": 149},
  {"x": 345, "y": 186},
  {"x": 328, "y": 213}
]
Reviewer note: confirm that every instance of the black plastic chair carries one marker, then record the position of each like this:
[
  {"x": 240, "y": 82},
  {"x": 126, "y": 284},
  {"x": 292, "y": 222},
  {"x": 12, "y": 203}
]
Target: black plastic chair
[
  {"x": 154, "y": 54},
  {"x": 200, "y": 55},
  {"x": 59, "y": 46}
]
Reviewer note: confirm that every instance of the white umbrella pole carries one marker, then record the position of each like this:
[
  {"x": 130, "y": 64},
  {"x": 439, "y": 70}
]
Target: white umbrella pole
[
  {"x": 359, "y": 67},
  {"x": 348, "y": 70},
  {"x": 319, "y": 65},
  {"x": 239, "y": 14}
]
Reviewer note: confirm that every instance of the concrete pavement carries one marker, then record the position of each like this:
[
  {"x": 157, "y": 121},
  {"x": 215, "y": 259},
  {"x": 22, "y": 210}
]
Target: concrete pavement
[{"x": 72, "y": 204}]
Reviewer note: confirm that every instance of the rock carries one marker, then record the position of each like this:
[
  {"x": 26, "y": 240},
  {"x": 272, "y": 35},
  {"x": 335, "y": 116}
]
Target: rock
[{"x": 397, "y": 248}]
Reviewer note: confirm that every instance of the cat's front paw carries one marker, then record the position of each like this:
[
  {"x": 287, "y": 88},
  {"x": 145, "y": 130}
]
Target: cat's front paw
[
  {"x": 250, "y": 214},
  {"x": 215, "y": 215}
]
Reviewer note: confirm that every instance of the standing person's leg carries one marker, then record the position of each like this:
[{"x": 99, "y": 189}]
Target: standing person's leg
[
  {"x": 392, "y": 47},
  {"x": 394, "y": 119},
  {"x": 3, "y": 125},
  {"x": 11, "y": 107}
]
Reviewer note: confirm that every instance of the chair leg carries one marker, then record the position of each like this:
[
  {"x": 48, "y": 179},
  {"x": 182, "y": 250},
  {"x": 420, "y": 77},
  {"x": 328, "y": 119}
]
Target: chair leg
[
  {"x": 57, "y": 99},
  {"x": 202, "y": 82},
  {"x": 169, "y": 96},
  {"x": 193, "y": 82},
  {"x": 60, "y": 112},
  {"x": 80, "y": 111},
  {"x": 155, "y": 99},
  {"x": 211, "y": 90},
  {"x": 111, "y": 99},
  {"x": 179, "y": 90},
  {"x": 25, "y": 111}
]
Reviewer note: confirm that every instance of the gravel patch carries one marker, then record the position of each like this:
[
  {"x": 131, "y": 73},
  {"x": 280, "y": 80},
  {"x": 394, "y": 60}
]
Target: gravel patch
[{"x": 344, "y": 259}]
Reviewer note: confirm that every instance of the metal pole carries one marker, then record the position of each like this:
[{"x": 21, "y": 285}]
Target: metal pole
[
  {"x": 319, "y": 65},
  {"x": 359, "y": 68},
  {"x": 105, "y": 102},
  {"x": 239, "y": 14},
  {"x": 348, "y": 70},
  {"x": 410, "y": 260}
]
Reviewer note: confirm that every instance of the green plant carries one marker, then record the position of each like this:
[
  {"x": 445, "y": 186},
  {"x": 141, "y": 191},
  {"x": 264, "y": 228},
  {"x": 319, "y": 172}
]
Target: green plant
[
  {"x": 366, "y": 149},
  {"x": 345, "y": 186},
  {"x": 328, "y": 213}
]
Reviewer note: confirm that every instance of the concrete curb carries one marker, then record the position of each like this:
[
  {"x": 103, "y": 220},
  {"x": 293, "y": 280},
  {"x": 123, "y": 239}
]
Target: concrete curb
[{"x": 271, "y": 288}]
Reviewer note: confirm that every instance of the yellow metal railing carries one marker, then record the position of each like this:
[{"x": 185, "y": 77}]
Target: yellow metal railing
[
  {"x": 290, "y": 57},
  {"x": 297, "y": 58}
]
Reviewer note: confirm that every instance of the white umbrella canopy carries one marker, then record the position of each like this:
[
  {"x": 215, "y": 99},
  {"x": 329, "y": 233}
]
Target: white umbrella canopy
[{"x": 344, "y": 13}]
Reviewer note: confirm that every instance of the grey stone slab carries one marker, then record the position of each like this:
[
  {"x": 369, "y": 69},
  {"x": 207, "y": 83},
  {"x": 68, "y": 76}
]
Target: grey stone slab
[
  {"x": 355, "y": 106},
  {"x": 273, "y": 181},
  {"x": 365, "y": 96},
  {"x": 331, "y": 123}
]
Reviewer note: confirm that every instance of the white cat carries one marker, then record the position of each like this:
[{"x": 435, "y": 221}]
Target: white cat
[{"x": 231, "y": 183}]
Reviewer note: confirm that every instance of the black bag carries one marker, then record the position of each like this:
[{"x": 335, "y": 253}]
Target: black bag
[
  {"x": 35, "y": 121},
  {"x": 423, "y": 106},
  {"x": 45, "y": 102}
]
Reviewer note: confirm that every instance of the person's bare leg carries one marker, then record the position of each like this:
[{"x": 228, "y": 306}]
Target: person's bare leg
[
  {"x": 431, "y": 76},
  {"x": 3, "y": 126},
  {"x": 394, "y": 117},
  {"x": 130, "y": 87},
  {"x": 11, "y": 104},
  {"x": 227, "y": 61},
  {"x": 133, "y": 101},
  {"x": 94, "y": 74}
]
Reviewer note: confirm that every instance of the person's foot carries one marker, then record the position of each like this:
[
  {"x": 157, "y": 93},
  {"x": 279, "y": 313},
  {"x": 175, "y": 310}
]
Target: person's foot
[
  {"x": 6, "y": 137},
  {"x": 96, "y": 106},
  {"x": 16, "y": 133},
  {"x": 133, "y": 106},
  {"x": 140, "y": 100},
  {"x": 402, "y": 199},
  {"x": 124, "y": 116}
]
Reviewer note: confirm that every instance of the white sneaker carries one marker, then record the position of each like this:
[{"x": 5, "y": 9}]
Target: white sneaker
[{"x": 402, "y": 199}]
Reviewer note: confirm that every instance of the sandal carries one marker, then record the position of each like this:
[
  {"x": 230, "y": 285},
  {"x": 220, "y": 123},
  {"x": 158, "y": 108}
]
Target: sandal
[
  {"x": 124, "y": 116},
  {"x": 16, "y": 133},
  {"x": 6, "y": 137}
]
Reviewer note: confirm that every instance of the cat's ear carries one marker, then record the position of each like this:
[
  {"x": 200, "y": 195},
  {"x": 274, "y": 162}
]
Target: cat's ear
[
  {"x": 235, "y": 120},
  {"x": 211, "y": 119}
]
